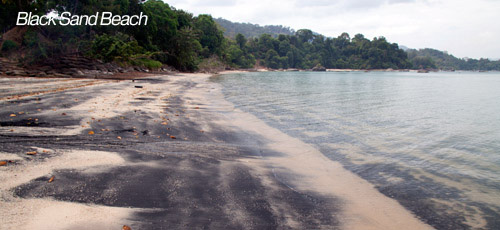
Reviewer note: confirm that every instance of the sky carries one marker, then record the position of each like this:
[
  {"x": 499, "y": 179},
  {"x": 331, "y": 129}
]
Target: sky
[{"x": 464, "y": 28}]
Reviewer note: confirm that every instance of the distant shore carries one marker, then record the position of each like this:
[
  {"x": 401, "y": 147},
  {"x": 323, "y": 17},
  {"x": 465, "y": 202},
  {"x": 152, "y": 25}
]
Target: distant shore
[
  {"x": 351, "y": 70},
  {"x": 81, "y": 67}
]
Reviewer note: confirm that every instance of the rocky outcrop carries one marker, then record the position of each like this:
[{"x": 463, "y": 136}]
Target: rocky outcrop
[
  {"x": 73, "y": 66},
  {"x": 319, "y": 68}
]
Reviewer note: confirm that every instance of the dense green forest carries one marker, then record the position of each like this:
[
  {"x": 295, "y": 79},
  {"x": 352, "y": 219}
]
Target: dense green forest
[
  {"x": 172, "y": 37},
  {"x": 178, "y": 39},
  {"x": 306, "y": 50},
  {"x": 419, "y": 59},
  {"x": 231, "y": 29},
  {"x": 435, "y": 59}
]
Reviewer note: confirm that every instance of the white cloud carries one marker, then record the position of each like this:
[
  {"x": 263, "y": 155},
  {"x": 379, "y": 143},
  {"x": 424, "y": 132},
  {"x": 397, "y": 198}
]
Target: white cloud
[{"x": 461, "y": 27}]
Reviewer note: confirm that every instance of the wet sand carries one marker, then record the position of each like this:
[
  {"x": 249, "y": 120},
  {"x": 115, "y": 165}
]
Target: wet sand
[{"x": 167, "y": 152}]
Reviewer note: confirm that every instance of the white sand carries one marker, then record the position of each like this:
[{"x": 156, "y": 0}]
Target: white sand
[{"x": 17, "y": 213}]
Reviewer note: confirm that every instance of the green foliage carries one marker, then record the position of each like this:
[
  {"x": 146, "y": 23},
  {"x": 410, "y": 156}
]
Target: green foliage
[
  {"x": 251, "y": 30},
  {"x": 38, "y": 48},
  {"x": 236, "y": 53},
  {"x": 109, "y": 47},
  {"x": 306, "y": 50},
  {"x": 444, "y": 61},
  {"x": 178, "y": 39},
  {"x": 184, "y": 19},
  {"x": 10, "y": 8},
  {"x": 272, "y": 59},
  {"x": 161, "y": 27},
  {"x": 241, "y": 40},
  {"x": 8, "y": 45},
  {"x": 420, "y": 62},
  {"x": 184, "y": 52},
  {"x": 210, "y": 35},
  {"x": 146, "y": 62},
  {"x": 211, "y": 65}
]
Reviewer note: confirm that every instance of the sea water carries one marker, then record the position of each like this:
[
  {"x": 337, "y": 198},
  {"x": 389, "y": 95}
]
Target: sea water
[{"x": 430, "y": 141}]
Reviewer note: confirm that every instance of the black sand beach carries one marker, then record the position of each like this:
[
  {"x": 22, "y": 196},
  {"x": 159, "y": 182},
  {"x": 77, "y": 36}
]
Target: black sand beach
[{"x": 166, "y": 152}]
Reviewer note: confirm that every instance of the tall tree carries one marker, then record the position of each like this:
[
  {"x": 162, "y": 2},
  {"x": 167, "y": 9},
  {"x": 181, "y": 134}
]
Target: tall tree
[{"x": 211, "y": 36}]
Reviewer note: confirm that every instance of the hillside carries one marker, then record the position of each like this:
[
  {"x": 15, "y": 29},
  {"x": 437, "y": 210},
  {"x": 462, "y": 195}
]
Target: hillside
[
  {"x": 231, "y": 29},
  {"x": 420, "y": 59},
  {"x": 436, "y": 59},
  {"x": 176, "y": 39}
]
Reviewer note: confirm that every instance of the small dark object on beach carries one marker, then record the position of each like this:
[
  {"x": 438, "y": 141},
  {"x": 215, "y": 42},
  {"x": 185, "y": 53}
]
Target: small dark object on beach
[
  {"x": 145, "y": 132},
  {"x": 138, "y": 86}
]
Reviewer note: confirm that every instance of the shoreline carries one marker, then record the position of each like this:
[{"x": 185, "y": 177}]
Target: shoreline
[
  {"x": 238, "y": 150},
  {"x": 304, "y": 168}
]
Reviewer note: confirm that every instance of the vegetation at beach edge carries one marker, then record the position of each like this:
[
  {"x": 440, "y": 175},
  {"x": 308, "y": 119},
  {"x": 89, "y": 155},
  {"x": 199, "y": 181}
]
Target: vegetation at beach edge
[{"x": 178, "y": 39}]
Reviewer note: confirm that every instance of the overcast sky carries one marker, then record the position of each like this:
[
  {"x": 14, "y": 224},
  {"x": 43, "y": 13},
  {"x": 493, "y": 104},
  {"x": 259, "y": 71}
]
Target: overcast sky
[{"x": 464, "y": 28}]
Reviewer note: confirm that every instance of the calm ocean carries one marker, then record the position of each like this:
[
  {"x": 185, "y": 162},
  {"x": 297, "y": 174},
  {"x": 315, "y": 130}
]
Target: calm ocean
[{"x": 430, "y": 141}]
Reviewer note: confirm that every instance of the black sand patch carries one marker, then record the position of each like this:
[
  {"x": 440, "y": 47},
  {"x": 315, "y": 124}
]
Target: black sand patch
[{"x": 183, "y": 183}]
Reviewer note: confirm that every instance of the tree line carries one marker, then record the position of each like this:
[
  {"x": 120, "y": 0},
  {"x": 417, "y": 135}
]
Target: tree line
[
  {"x": 249, "y": 30},
  {"x": 173, "y": 37},
  {"x": 306, "y": 50},
  {"x": 435, "y": 59},
  {"x": 186, "y": 42}
]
